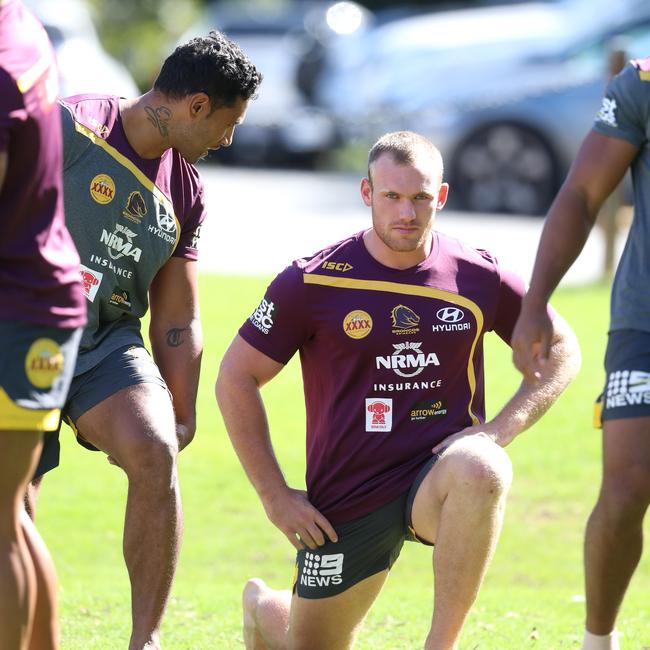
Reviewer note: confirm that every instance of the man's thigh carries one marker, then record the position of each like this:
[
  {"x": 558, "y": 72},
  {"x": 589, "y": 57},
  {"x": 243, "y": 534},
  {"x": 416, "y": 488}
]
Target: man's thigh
[
  {"x": 123, "y": 399},
  {"x": 129, "y": 423},
  {"x": 332, "y": 623},
  {"x": 626, "y": 408},
  {"x": 18, "y": 455},
  {"x": 626, "y": 455}
]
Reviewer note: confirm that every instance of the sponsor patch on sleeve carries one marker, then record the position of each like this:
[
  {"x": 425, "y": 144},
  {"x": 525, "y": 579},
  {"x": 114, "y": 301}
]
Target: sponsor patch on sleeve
[
  {"x": 263, "y": 316},
  {"x": 607, "y": 112}
]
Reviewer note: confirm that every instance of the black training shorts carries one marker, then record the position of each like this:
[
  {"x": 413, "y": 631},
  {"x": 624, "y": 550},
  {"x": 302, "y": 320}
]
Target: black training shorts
[{"x": 366, "y": 546}]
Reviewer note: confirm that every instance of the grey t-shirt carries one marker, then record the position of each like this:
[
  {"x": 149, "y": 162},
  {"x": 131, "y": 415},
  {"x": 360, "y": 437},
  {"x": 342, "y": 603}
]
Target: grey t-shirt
[
  {"x": 127, "y": 216},
  {"x": 625, "y": 114}
]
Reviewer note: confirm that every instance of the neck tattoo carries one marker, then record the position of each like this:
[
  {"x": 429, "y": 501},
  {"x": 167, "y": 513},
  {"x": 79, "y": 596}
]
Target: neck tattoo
[{"x": 159, "y": 117}]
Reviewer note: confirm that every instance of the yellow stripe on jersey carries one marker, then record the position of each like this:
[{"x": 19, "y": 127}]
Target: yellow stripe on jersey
[
  {"x": 413, "y": 290},
  {"x": 644, "y": 75},
  {"x": 29, "y": 78},
  {"x": 138, "y": 173},
  {"x": 17, "y": 418}
]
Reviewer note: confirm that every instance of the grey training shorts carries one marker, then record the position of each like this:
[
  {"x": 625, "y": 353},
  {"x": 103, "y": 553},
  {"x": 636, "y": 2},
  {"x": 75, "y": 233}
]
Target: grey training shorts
[{"x": 627, "y": 383}]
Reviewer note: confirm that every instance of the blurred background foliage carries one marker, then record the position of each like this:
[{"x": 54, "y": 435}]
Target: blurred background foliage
[{"x": 141, "y": 34}]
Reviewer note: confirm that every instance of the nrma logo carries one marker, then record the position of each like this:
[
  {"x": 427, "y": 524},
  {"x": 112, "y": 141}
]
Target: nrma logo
[
  {"x": 322, "y": 570},
  {"x": 407, "y": 360},
  {"x": 120, "y": 243}
]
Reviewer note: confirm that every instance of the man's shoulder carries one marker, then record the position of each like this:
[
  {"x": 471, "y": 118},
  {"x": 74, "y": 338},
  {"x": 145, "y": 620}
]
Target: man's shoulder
[
  {"x": 454, "y": 248},
  {"x": 339, "y": 257},
  {"x": 96, "y": 113}
]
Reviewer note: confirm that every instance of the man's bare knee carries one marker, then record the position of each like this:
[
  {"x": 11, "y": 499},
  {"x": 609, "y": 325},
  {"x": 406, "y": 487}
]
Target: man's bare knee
[
  {"x": 150, "y": 458},
  {"x": 481, "y": 466},
  {"x": 624, "y": 498}
]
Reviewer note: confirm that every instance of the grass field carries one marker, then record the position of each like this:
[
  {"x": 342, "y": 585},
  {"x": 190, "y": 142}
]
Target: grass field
[{"x": 532, "y": 596}]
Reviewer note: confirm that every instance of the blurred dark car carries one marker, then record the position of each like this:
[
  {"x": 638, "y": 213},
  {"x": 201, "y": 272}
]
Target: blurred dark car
[
  {"x": 285, "y": 40},
  {"x": 507, "y": 93}
]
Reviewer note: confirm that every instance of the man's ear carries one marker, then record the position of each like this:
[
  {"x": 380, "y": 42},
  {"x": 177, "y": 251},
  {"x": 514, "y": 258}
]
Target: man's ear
[
  {"x": 366, "y": 191},
  {"x": 199, "y": 105},
  {"x": 443, "y": 192}
]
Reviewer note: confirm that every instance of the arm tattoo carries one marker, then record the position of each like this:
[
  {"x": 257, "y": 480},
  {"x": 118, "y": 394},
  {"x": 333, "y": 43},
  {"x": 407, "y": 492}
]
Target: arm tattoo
[
  {"x": 175, "y": 336},
  {"x": 159, "y": 117}
]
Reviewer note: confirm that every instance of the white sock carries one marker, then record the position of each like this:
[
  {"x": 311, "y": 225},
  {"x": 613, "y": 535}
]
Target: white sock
[{"x": 600, "y": 642}]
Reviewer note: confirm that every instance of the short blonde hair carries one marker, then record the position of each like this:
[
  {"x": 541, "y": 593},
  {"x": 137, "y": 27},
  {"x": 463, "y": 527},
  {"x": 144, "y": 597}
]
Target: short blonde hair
[{"x": 404, "y": 147}]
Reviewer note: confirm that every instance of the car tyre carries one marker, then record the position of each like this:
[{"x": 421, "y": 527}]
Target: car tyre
[{"x": 507, "y": 168}]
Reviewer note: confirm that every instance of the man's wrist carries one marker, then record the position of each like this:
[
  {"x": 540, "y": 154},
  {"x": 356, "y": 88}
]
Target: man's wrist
[
  {"x": 272, "y": 492},
  {"x": 535, "y": 301}
]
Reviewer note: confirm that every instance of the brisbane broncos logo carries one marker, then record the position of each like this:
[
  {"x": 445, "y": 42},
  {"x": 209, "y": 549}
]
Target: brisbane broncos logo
[
  {"x": 136, "y": 208},
  {"x": 404, "y": 320}
]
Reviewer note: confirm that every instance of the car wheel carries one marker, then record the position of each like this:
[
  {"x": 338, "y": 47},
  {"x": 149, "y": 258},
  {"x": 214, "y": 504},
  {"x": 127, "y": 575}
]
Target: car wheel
[{"x": 505, "y": 168}]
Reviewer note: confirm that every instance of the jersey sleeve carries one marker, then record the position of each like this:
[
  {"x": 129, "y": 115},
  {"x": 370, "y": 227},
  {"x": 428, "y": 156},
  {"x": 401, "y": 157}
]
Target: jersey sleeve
[
  {"x": 279, "y": 324},
  {"x": 10, "y": 107},
  {"x": 188, "y": 243},
  {"x": 73, "y": 147},
  {"x": 625, "y": 110},
  {"x": 511, "y": 292}
]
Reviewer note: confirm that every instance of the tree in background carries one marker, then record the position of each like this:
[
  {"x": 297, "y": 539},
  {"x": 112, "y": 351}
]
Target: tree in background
[{"x": 141, "y": 34}]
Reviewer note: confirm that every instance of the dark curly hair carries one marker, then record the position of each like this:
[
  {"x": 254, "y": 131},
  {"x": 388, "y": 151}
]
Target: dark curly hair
[{"x": 212, "y": 64}]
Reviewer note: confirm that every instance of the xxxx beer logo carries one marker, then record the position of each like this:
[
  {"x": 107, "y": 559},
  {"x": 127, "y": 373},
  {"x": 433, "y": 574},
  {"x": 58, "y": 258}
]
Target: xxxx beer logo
[
  {"x": 43, "y": 363},
  {"x": 357, "y": 324},
  {"x": 102, "y": 189}
]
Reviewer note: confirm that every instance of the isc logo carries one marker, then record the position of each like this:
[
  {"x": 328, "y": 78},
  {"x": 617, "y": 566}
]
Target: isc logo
[{"x": 337, "y": 266}]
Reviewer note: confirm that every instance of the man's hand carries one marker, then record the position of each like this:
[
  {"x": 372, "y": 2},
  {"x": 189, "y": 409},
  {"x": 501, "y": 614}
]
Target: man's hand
[
  {"x": 303, "y": 525},
  {"x": 531, "y": 342},
  {"x": 184, "y": 435}
]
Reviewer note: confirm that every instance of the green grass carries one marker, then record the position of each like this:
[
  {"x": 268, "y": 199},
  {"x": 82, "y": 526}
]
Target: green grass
[{"x": 530, "y": 593}]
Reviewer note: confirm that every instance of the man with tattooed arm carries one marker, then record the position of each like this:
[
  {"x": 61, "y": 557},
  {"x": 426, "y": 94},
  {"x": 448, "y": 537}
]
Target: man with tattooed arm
[{"x": 134, "y": 206}]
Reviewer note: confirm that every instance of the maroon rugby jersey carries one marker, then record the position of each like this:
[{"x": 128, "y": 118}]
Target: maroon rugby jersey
[
  {"x": 39, "y": 266},
  {"x": 392, "y": 360}
]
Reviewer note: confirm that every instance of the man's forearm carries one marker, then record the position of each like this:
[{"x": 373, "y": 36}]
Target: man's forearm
[
  {"x": 177, "y": 349},
  {"x": 245, "y": 418},
  {"x": 532, "y": 400},
  {"x": 566, "y": 230}
]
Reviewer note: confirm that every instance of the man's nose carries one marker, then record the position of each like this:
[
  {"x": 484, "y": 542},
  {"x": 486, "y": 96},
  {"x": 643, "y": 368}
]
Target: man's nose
[{"x": 407, "y": 209}]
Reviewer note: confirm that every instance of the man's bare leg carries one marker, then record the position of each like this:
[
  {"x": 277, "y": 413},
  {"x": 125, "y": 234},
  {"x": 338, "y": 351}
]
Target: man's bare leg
[
  {"x": 45, "y": 630},
  {"x": 136, "y": 428},
  {"x": 274, "y": 620},
  {"x": 266, "y": 616},
  {"x": 31, "y": 497},
  {"x": 616, "y": 523},
  {"x": 460, "y": 506},
  {"x": 18, "y": 457}
]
